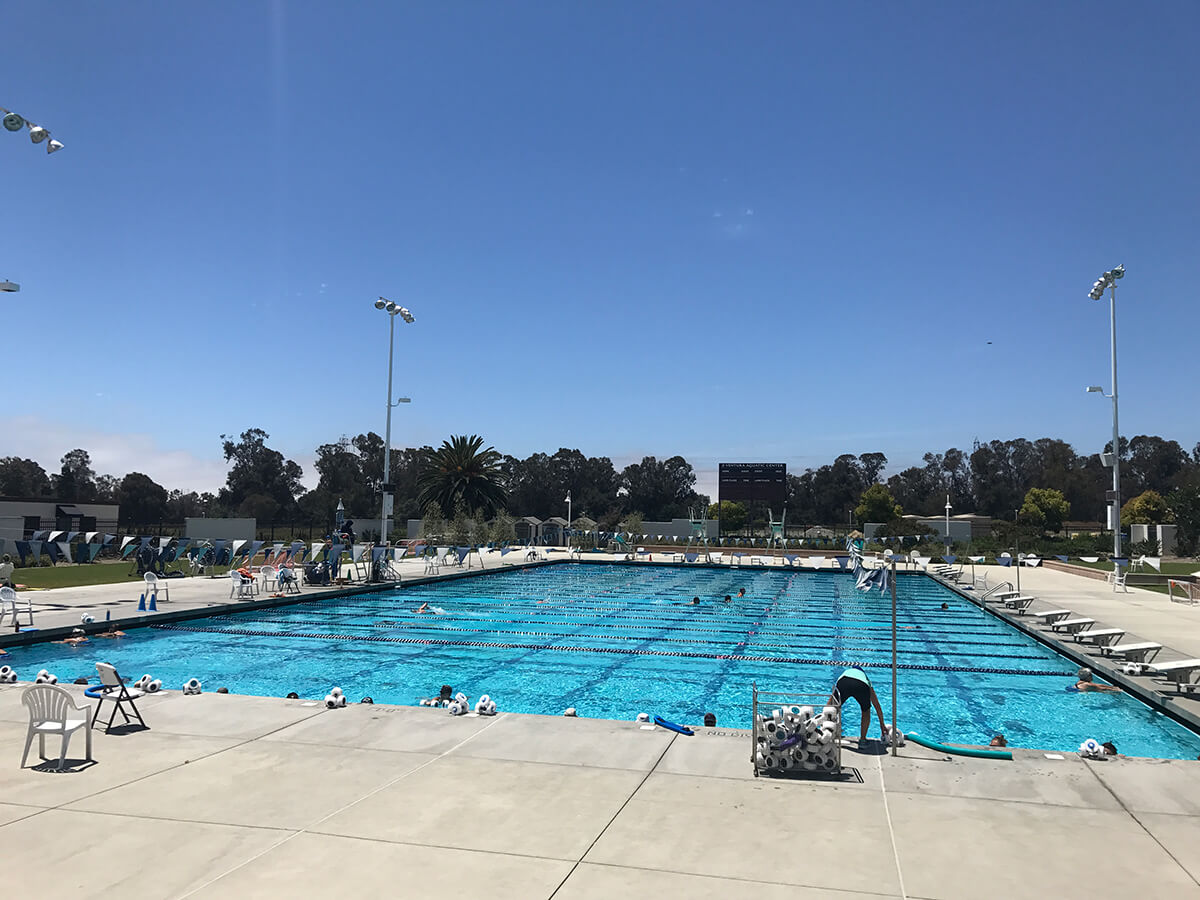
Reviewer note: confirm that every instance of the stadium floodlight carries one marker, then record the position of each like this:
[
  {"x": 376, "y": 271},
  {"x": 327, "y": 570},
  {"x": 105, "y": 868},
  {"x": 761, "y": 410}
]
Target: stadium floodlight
[
  {"x": 14, "y": 122},
  {"x": 393, "y": 310},
  {"x": 10, "y": 287},
  {"x": 1108, "y": 281}
]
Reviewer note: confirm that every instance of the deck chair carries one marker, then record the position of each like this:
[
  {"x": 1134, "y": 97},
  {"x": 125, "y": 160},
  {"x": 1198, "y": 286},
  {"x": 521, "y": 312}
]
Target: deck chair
[
  {"x": 156, "y": 585},
  {"x": 287, "y": 580},
  {"x": 240, "y": 586},
  {"x": 10, "y": 602},
  {"x": 1118, "y": 581},
  {"x": 52, "y": 711},
  {"x": 433, "y": 562},
  {"x": 270, "y": 578},
  {"x": 113, "y": 688}
]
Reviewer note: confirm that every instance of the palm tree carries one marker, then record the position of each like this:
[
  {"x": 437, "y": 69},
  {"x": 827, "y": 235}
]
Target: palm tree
[{"x": 458, "y": 471}]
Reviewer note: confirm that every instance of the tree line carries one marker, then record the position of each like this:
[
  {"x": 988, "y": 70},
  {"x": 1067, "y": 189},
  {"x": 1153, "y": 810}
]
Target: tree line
[{"x": 1159, "y": 479}]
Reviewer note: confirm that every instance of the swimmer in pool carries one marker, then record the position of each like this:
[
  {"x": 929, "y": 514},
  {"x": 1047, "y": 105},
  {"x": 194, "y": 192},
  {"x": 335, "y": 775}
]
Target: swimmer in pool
[
  {"x": 741, "y": 593},
  {"x": 727, "y": 598},
  {"x": 1084, "y": 683}
]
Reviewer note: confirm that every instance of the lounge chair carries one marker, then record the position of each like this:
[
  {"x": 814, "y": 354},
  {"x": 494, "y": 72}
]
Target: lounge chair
[
  {"x": 1100, "y": 637},
  {"x": 53, "y": 711},
  {"x": 1073, "y": 626},
  {"x": 113, "y": 688},
  {"x": 1178, "y": 672},
  {"x": 156, "y": 585},
  {"x": 1140, "y": 652},
  {"x": 1050, "y": 616}
]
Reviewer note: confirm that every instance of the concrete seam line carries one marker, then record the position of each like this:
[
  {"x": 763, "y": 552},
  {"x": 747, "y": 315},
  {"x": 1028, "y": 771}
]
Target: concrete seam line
[
  {"x": 608, "y": 824},
  {"x": 324, "y": 818},
  {"x": 241, "y": 743},
  {"x": 887, "y": 812},
  {"x": 1133, "y": 815}
]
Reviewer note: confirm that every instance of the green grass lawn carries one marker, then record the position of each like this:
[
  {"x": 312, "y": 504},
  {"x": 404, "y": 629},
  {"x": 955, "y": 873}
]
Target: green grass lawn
[{"x": 81, "y": 574}]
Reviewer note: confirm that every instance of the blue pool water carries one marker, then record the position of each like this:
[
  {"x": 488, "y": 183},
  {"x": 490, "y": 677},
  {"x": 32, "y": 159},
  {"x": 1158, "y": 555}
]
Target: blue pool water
[{"x": 614, "y": 641}]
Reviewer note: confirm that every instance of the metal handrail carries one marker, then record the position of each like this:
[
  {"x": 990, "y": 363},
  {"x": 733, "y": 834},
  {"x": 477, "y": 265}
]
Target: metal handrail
[{"x": 995, "y": 588}]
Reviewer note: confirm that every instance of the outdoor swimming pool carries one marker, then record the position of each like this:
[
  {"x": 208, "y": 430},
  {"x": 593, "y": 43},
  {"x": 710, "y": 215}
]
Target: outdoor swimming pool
[{"x": 615, "y": 640}]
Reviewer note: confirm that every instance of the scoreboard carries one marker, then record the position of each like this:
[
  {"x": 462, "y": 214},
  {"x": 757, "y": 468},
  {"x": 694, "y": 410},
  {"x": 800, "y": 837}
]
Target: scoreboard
[{"x": 753, "y": 482}]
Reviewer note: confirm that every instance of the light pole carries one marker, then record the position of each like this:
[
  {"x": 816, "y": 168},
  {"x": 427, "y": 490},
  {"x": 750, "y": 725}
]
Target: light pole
[
  {"x": 568, "y": 516},
  {"x": 392, "y": 310},
  {"x": 1109, "y": 280},
  {"x": 948, "y": 508},
  {"x": 13, "y": 122}
]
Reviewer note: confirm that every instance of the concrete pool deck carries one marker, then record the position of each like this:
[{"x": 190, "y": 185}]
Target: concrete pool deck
[
  {"x": 233, "y": 796},
  {"x": 230, "y": 795}
]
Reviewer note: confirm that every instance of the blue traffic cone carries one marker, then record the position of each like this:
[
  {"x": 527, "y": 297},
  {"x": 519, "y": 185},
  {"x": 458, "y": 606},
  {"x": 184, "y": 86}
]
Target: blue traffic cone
[
  {"x": 153, "y": 603},
  {"x": 142, "y": 603}
]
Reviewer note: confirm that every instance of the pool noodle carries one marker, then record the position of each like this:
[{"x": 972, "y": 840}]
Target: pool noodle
[{"x": 958, "y": 751}]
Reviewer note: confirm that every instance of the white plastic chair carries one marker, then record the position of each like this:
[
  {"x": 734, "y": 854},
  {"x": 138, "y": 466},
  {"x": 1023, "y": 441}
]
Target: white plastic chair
[
  {"x": 10, "y": 601},
  {"x": 242, "y": 587},
  {"x": 52, "y": 711},
  {"x": 1118, "y": 582},
  {"x": 270, "y": 577},
  {"x": 154, "y": 585}
]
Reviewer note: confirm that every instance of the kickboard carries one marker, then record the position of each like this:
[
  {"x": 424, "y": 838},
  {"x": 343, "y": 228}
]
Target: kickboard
[{"x": 681, "y": 729}]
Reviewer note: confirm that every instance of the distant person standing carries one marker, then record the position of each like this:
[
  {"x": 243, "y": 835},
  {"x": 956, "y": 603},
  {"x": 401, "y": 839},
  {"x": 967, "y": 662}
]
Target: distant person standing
[{"x": 348, "y": 531}]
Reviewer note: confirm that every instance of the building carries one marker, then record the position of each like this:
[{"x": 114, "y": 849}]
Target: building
[{"x": 28, "y": 515}]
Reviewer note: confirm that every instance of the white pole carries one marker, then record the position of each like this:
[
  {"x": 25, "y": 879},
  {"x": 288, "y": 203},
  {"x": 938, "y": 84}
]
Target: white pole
[
  {"x": 387, "y": 435},
  {"x": 895, "y": 738},
  {"x": 568, "y": 515},
  {"x": 1116, "y": 505}
]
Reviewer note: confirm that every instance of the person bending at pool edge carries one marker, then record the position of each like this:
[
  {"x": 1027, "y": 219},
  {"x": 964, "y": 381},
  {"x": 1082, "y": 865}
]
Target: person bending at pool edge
[{"x": 854, "y": 684}]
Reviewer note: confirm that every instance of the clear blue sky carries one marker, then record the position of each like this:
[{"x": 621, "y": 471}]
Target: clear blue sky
[{"x": 771, "y": 231}]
